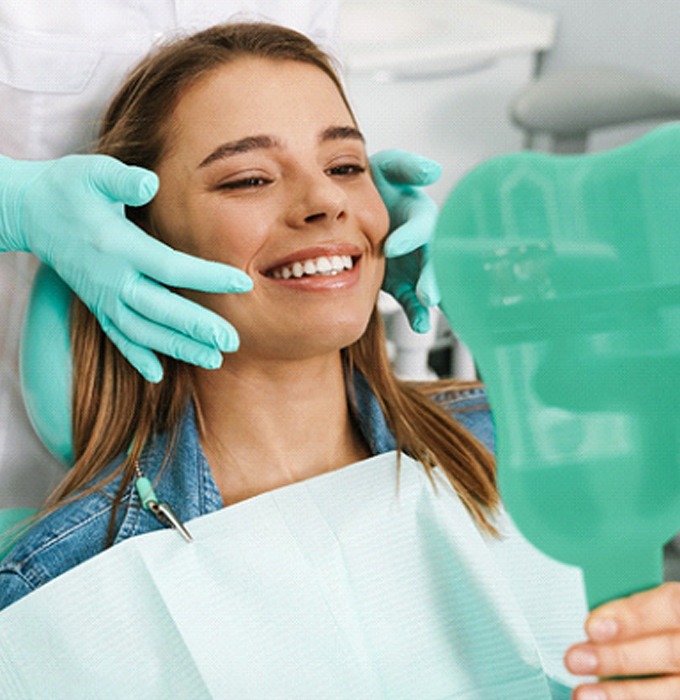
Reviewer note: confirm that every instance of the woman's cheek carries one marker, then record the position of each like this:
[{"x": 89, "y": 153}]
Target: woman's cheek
[
  {"x": 237, "y": 232},
  {"x": 376, "y": 217},
  {"x": 222, "y": 240}
]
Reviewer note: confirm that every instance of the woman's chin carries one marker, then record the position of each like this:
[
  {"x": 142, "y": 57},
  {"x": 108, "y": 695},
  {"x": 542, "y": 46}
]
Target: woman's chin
[{"x": 303, "y": 344}]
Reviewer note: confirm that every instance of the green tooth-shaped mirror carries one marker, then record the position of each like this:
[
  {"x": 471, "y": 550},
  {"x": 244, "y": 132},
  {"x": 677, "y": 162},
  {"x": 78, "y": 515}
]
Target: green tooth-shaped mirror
[{"x": 562, "y": 275}]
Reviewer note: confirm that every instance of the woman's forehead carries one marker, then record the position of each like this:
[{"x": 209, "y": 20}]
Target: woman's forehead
[
  {"x": 250, "y": 96},
  {"x": 252, "y": 83}
]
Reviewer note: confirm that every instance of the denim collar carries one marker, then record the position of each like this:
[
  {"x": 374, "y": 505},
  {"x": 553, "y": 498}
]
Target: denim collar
[
  {"x": 184, "y": 479},
  {"x": 370, "y": 418}
]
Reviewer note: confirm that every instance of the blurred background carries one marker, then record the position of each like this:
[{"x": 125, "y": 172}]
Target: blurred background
[{"x": 461, "y": 81}]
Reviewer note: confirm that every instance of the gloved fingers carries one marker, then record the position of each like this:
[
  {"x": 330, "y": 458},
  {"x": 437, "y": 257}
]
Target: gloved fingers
[
  {"x": 414, "y": 218},
  {"x": 426, "y": 290},
  {"x": 128, "y": 184},
  {"x": 140, "y": 332},
  {"x": 176, "y": 269},
  {"x": 417, "y": 314},
  {"x": 141, "y": 358},
  {"x": 402, "y": 167},
  {"x": 176, "y": 313}
]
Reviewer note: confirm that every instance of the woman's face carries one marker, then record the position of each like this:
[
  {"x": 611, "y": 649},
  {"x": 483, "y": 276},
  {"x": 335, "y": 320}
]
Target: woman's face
[{"x": 267, "y": 172}]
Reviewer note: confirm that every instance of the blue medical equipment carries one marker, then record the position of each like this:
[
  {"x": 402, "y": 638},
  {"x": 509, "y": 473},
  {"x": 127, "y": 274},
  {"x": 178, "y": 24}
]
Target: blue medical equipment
[{"x": 45, "y": 365}]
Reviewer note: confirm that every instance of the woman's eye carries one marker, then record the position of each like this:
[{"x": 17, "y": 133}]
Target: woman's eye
[
  {"x": 244, "y": 183},
  {"x": 347, "y": 169}
]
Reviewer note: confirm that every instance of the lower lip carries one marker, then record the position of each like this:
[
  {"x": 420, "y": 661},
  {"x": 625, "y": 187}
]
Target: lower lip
[{"x": 320, "y": 283}]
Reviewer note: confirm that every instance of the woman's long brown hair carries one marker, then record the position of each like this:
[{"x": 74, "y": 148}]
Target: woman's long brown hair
[{"x": 116, "y": 412}]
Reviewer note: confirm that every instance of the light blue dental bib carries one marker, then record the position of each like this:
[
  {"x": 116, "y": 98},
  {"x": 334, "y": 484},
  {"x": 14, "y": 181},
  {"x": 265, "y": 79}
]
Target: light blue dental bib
[{"x": 363, "y": 583}]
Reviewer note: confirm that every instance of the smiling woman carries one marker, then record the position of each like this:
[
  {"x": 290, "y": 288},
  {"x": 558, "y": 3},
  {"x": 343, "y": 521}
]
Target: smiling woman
[
  {"x": 261, "y": 165},
  {"x": 342, "y": 520}
]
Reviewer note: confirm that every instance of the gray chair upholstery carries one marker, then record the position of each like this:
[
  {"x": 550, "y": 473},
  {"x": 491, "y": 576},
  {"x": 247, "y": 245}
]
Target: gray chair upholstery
[{"x": 567, "y": 105}]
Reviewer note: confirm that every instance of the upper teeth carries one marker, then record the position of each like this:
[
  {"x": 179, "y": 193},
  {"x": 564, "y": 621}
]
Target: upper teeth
[{"x": 322, "y": 265}]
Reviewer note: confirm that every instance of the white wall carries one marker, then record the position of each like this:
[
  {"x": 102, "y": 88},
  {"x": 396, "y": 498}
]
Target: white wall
[
  {"x": 458, "y": 121},
  {"x": 437, "y": 76},
  {"x": 639, "y": 35}
]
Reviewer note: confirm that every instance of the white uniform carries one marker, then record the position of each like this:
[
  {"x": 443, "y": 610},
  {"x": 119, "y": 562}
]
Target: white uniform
[{"x": 60, "y": 63}]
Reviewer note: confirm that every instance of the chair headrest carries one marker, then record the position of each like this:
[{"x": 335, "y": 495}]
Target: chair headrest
[{"x": 45, "y": 363}]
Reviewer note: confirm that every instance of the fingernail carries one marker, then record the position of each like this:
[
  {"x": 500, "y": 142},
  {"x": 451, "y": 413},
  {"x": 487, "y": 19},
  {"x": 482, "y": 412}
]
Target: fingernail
[
  {"x": 153, "y": 374},
  {"x": 430, "y": 167},
  {"x": 581, "y": 661},
  {"x": 602, "y": 629},
  {"x": 591, "y": 694}
]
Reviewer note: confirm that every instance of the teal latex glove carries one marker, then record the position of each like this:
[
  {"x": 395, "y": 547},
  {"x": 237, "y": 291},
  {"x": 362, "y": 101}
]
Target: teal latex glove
[
  {"x": 399, "y": 177},
  {"x": 69, "y": 212}
]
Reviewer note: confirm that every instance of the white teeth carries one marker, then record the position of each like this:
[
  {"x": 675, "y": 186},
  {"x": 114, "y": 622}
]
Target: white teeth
[{"x": 322, "y": 265}]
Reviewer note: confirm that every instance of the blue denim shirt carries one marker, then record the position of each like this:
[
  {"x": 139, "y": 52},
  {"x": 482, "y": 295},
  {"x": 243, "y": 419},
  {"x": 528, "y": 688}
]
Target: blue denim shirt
[{"x": 78, "y": 531}]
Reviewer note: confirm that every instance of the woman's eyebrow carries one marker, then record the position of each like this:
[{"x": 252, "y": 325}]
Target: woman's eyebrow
[
  {"x": 341, "y": 132},
  {"x": 249, "y": 143}
]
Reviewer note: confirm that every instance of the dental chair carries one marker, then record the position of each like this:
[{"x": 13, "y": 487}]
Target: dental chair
[
  {"x": 567, "y": 105},
  {"x": 11, "y": 520},
  {"x": 45, "y": 368}
]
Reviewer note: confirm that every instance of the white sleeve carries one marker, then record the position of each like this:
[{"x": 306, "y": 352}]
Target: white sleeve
[
  {"x": 318, "y": 19},
  {"x": 324, "y": 26}
]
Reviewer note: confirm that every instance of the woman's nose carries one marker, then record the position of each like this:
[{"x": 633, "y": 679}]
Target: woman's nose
[{"x": 318, "y": 200}]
